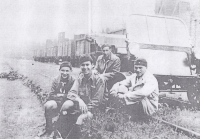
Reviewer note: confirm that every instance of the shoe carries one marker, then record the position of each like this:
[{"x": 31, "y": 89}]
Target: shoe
[
  {"x": 48, "y": 129},
  {"x": 46, "y": 133}
]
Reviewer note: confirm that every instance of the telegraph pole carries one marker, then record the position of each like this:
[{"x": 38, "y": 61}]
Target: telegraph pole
[{"x": 89, "y": 16}]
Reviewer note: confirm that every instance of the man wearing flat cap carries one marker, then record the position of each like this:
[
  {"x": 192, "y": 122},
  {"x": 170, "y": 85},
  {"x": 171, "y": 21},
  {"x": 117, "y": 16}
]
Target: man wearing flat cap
[
  {"x": 58, "y": 95},
  {"x": 139, "y": 92}
]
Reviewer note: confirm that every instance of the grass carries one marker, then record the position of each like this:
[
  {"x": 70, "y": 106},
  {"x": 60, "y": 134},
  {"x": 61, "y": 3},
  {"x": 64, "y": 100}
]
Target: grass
[
  {"x": 19, "y": 113},
  {"x": 185, "y": 118},
  {"x": 118, "y": 125}
]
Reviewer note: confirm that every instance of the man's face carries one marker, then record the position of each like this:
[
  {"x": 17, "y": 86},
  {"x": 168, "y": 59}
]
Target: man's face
[
  {"x": 86, "y": 67},
  {"x": 65, "y": 72},
  {"x": 106, "y": 51},
  {"x": 140, "y": 70}
]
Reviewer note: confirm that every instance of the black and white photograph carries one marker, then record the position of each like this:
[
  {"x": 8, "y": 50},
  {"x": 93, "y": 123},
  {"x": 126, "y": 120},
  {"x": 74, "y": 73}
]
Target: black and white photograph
[{"x": 100, "y": 69}]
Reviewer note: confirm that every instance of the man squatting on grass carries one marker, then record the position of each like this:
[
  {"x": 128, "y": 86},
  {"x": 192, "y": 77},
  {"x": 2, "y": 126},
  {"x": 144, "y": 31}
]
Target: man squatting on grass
[
  {"x": 59, "y": 90},
  {"x": 139, "y": 93},
  {"x": 86, "y": 94}
]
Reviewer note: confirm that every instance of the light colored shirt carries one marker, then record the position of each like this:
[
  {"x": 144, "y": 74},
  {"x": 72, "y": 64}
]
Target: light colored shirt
[{"x": 144, "y": 89}]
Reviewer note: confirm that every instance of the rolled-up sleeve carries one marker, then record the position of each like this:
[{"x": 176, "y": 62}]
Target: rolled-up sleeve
[{"x": 73, "y": 93}]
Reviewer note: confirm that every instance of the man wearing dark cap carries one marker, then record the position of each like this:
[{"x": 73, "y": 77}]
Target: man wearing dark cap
[
  {"x": 85, "y": 95},
  {"x": 139, "y": 93},
  {"x": 59, "y": 90}
]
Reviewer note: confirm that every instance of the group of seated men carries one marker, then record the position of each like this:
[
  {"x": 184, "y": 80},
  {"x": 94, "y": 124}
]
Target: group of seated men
[{"x": 138, "y": 93}]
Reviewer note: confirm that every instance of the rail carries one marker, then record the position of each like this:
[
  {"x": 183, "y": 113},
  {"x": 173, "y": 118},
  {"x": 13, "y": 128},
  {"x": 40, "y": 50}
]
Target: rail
[{"x": 177, "y": 128}]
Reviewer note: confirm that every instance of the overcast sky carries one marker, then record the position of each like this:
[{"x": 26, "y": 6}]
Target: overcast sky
[{"x": 37, "y": 20}]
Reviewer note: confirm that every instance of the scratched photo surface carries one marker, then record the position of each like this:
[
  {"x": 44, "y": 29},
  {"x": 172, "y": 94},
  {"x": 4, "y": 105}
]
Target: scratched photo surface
[{"x": 99, "y": 69}]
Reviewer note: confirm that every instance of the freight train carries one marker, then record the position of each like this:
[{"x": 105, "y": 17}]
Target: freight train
[
  {"x": 71, "y": 50},
  {"x": 63, "y": 50}
]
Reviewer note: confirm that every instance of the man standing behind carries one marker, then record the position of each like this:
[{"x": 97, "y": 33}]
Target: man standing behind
[
  {"x": 86, "y": 94},
  {"x": 59, "y": 90},
  {"x": 139, "y": 92},
  {"x": 108, "y": 65}
]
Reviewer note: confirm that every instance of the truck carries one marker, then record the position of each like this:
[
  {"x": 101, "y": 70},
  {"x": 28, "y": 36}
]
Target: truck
[{"x": 164, "y": 42}]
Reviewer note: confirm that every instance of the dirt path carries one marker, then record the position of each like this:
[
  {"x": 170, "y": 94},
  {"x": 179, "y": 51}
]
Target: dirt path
[{"x": 20, "y": 111}]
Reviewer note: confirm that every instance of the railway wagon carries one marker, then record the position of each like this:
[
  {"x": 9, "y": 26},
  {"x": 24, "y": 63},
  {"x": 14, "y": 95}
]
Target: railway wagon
[
  {"x": 60, "y": 51},
  {"x": 41, "y": 55},
  {"x": 67, "y": 51},
  {"x": 51, "y": 54},
  {"x": 55, "y": 51},
  {"x": 81, "y": 46},
  {"x": 63, "y": 45},
  {"x": 35, "y": 55},
  {"x": 48, "y": 53},
  {"x": 72, "y": 52}
]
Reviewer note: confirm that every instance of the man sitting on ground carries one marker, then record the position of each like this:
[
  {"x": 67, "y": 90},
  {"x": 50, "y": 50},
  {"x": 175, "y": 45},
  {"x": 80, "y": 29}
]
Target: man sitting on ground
[
  {"x": 139, "y": 93},
  {"x": 108, "y": 65},
  {"x": 86, "y": 94},
  {"x": 59, "y": 90}
]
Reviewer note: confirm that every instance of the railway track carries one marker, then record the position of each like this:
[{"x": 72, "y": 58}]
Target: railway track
[
  {"x": 179, "y": 129},
  {"x": 177, "y": 103}
]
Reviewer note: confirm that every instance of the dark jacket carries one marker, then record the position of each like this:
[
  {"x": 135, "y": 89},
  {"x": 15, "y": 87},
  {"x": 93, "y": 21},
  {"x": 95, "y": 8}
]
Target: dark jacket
[
  {"x": 110, "y": 66},
  {"x": 60, "y": 86},
  {"x": 91, "y": 91}
]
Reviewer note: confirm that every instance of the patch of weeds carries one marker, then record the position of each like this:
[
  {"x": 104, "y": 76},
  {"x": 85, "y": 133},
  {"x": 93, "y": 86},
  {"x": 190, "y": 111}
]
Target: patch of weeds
[{"x": 117, "y": 125}]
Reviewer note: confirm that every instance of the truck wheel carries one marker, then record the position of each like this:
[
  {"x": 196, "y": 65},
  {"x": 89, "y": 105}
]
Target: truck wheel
[{"x": 193, "y": 95}]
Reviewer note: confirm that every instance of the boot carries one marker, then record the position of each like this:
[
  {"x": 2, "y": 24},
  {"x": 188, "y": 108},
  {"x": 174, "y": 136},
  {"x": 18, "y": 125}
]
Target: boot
[
  {"x": 48, "y": 128},
  {"x": 75, "y": 132}
]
